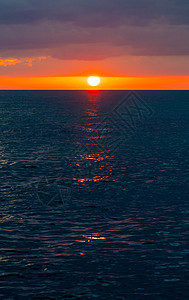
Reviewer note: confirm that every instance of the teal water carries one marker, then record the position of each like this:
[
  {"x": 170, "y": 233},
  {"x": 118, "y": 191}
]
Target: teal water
[{"x": 94, "y": 195}]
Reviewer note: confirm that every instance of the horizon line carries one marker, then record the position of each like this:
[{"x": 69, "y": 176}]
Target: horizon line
[{"x": 107, "y": 83}]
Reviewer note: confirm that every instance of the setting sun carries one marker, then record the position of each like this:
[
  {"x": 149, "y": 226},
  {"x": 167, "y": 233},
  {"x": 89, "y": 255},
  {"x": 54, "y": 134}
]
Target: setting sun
[{"x": 93, "y": 80}]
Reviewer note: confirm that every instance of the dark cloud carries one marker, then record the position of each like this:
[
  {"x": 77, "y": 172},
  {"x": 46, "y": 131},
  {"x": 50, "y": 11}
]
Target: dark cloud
[
  {"x": 95, "y": 13},
  {"x": 67, "y": 29}
]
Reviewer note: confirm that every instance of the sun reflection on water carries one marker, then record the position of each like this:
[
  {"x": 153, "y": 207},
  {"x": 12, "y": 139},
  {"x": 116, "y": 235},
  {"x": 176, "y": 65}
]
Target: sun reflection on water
[
  {"x": 91, "y": 237},
  {"x": 92, "y": 156}
]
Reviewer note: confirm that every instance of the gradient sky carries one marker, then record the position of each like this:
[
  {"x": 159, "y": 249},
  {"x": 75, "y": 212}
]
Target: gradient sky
[{"x": 58, "y": 38}]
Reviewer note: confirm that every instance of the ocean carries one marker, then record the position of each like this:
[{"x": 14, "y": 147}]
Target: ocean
[{"x": 94, "y": 195}]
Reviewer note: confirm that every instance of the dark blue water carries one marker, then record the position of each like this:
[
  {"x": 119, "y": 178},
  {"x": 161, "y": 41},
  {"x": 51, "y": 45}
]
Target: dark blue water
[{"x": 94, "y": 195}]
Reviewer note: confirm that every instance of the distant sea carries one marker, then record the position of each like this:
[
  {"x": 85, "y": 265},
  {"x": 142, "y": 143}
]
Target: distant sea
[{"x": 94, "y": 195}]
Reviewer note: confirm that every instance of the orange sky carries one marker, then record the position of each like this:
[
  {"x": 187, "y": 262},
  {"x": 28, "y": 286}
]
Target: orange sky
[
  {"x": 107, "y": 83},
  {"x": 125, "y": 72},
  {"x": 47, "y": 44}
]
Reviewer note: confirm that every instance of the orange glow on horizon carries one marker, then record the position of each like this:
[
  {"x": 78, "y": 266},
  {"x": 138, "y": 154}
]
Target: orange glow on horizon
[{"x": 107, "y": 83}]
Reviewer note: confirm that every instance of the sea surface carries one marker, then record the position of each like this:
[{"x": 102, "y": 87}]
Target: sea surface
[{"x": 94, "y": 195}]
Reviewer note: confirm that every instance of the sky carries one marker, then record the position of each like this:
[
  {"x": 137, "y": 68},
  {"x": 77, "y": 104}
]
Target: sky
[{"x": 65, "y": 40}]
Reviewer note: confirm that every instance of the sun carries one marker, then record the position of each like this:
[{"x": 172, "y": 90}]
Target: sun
[{"x": 93, "y": 80}]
